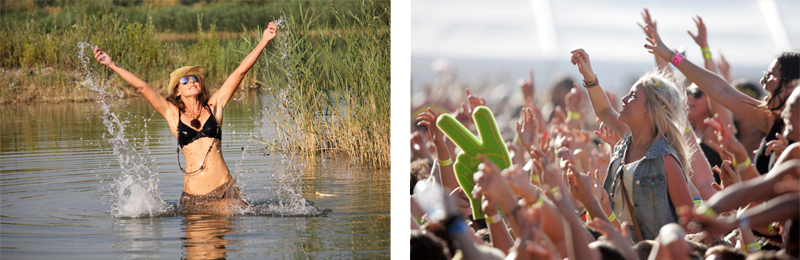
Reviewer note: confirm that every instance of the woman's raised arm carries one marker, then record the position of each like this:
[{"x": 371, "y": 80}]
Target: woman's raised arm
[
  {"x": 220, "y": 98},
  {"x": 156, "y": 100},
  {"x": 714, "y": 86},
  {"x": 600, "y": 104}
]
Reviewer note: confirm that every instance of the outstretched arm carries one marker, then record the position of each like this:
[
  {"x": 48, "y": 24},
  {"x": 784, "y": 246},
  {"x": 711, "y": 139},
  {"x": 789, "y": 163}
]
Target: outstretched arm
[
  {"x": 600, "y": 104},
  {"x": 702, "y": 40},
  {"x": 220, "y": 98},
  {"x": 156, "y": 100},
  {"x": 715, "y": 87}
]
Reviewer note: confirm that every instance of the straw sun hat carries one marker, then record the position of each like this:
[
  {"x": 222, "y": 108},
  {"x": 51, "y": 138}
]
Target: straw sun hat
[{"x": 176, "y": 75}]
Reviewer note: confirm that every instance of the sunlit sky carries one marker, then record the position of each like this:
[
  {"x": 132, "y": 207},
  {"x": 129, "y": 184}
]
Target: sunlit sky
[{"x": 495, "y": 42}]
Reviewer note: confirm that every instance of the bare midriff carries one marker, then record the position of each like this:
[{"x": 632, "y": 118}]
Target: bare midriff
[{"x": 215, "y": 172}]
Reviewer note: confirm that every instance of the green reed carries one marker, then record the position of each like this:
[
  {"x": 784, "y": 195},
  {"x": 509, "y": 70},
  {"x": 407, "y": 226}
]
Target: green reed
[{"x": 334, "y": 84}]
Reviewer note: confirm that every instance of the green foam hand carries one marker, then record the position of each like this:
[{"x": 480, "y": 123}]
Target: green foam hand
[{"x": 490, "y": 145}]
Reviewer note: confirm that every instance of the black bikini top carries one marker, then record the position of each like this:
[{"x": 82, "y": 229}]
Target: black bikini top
[{"x": 187, "y": 135}]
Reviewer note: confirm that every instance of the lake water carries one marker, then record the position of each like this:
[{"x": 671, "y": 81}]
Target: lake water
[{"x": 63, "y": 195}]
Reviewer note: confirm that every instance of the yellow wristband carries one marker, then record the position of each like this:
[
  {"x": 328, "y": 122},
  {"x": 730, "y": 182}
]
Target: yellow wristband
[
  {"x": 535, "y": 177},
  {"x": 743, "y": 165},
  {"x": 555, "y": 190},
  {"x": 493, "y": 219},
  {"x": 612, "y": 217},
  {"x": 706, "y": 52},
  {"x": 771, "y": 228},
  {"x": 698, "y": 201},
  {"x": 752, "y": 247},
  {"x": 540, "y": 200},
  {"x": 447, "y": 162},
  {"x": 707, "y": 211},
  {"x": 687, "y": 129},
  {"x": 574, "y": 115}
]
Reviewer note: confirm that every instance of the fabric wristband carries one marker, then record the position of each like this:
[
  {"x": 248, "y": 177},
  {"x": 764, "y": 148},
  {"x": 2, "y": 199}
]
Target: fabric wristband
[
  {"x": 676, "y": 60},
  {"x": 706, "y": 53},
  {"x": 612, "y": 217},
  {"x": 698, "y": 201},
  {"x": 743, "y": 165},
  {"x": 493, "y": 219},
  {"x": 535, "y": 177},
  {"x": 574, "y": 115},
  {"x": 707, "y": 211},
  {"x": 752, "y": 247},
  {"x": 687, "y": 129},
  {"x": 448, "y": 162},
  {"x": 771, "y": 228}
]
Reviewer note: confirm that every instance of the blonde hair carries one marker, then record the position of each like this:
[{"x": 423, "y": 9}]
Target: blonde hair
[{"x": 665, "y": 105}]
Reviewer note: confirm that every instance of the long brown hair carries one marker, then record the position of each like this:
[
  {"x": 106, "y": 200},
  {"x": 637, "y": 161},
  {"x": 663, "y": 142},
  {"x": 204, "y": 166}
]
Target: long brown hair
[
  {"x": 178, "y": 102},
  {"x": 789, "y": 66}
]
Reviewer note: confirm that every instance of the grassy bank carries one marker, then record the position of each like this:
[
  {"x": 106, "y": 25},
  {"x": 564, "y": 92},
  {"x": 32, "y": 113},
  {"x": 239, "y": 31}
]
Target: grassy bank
[{"x": 336, "y": 86}]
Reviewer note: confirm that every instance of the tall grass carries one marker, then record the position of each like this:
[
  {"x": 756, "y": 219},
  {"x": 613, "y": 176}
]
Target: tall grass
[{"x": 333, "y": 89}]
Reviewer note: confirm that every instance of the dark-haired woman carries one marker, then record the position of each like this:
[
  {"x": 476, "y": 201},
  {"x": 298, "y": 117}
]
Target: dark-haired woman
[
  {"x": 779, "y": 81},
  {"x": 195, "y": 119}
]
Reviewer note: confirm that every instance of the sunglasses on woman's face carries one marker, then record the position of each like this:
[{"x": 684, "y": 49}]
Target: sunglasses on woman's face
[
  {"x": 695, "y": 94},
  {"x": 185, "y": 80}
]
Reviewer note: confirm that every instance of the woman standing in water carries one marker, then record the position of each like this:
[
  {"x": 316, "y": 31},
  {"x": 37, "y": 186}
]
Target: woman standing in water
[{"x": 195, "y": 119}]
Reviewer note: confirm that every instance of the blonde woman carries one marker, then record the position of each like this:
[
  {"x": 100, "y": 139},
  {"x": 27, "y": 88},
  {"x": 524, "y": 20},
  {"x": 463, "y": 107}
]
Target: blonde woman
[
  {"x": 646, "y": 177},
  {"x": 195, "y": 119}
]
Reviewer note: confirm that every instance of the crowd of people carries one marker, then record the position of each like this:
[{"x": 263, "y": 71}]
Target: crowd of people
[{"x": 665, "y": 172}]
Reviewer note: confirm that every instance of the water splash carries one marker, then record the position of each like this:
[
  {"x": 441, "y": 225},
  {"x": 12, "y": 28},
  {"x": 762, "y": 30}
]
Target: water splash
[{"x": 135, "y": 191}]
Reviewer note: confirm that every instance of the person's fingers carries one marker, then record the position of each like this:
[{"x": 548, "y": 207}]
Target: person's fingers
[
  {"x": 716, "y": 186},
  {"x": 433, "y": 113},
  {"x": 530, "y": 73},
  {"x": 780, "y": 137}
]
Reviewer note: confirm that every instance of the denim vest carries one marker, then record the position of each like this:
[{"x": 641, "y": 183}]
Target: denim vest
[{"x": 651, "y": 203}]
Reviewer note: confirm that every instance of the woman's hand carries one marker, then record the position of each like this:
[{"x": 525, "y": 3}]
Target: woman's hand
[
  {"x": 429, "y": 119},
  {"x": 702, "y": 36},
  {"x": 270, "y": 32},
  {"x": 656, "y": 45},
  {"x": 574, "y": 99},
  {"x": 527, "y": 129},
  {"x": 102, "y": 57},
  {"x": 777, "y": 146},
  {"x": 580, "y": 58},
  {"x": 727, "y": 175},
  {"x": 648, "y": 21}
]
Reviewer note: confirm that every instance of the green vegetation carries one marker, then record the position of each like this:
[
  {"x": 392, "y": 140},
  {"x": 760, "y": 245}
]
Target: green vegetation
[
  {"x": 328, "y": 69},
  {"x": 336, "y": 85}
]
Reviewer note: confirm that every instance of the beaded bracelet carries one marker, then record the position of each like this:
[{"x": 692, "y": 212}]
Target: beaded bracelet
[{"x": 592, "y": 83}]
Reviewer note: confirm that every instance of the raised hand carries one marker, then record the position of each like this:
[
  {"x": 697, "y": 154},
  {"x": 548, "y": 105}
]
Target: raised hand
[
  {"x": 474, "y": 101},
  {"x": 580, "y": 58},
  {"x": 527, "y": 128},
  {"x": 724, "y": 68},
  {"x": 727, "y": 140},
  {"x": 428, "y": 119},
  {"x": 489, "y": 182},
  {"x": 574, "y": 99},
  {"x": 727, "y": 175},
  {"x": 656, "y": 45},
  {"x": 490, "y": 145},
  {"x": 102, "y": 57},
  {"x": 777, "y": 146},
  {"x": 607, "y": 135},
  {"x": 270, "y": 32},
  {"x": 648, "y": 21},
  {"x": 702, "y": 36},
  {"x": 580, "y": 185},
  {"x": 528, "y": 90}
]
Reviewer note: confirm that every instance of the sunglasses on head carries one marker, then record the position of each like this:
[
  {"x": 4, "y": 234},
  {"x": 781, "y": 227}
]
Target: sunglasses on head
[
  {"x": 695, "y": 94},
  {"x": 185, "y": 80}
]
